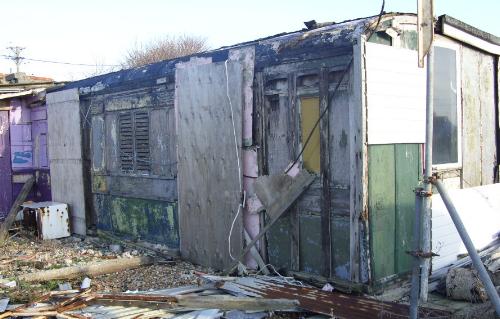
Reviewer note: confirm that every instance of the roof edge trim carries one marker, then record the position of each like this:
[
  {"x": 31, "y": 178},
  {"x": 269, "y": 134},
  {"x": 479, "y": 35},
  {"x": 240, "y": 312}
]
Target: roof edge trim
[{"x": 465, "y": 33}]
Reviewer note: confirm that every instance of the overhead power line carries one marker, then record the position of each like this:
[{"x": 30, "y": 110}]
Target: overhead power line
[{"x": 57, "y": 62}]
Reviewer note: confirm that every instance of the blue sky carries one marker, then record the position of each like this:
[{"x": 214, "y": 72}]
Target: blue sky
[{"x": 100, "y": 32}]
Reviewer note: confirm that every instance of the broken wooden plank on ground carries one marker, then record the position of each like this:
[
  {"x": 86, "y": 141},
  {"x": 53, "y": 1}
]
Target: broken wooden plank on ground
[
  {"x": 11, "y": 217},
  {"x": 93, "y": 269},
  {"x": 284, "y": 196},
  {"x": 237, "y": 303},
  {"x": 201, "y": 302}
]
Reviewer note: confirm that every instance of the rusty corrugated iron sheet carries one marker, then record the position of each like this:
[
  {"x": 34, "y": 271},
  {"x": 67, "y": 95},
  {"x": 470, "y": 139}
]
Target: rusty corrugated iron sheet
[{"x": 332, "y": 304}]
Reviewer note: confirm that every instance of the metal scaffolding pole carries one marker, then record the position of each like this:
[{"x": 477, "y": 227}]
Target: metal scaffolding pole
[
  {"x": 426, "y": 205},
  {"x": 417, "y": 261}
]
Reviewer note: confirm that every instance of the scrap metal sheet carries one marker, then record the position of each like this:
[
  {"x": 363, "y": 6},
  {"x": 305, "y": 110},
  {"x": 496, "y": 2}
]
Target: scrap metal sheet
[{"x": 332, "y": 304}]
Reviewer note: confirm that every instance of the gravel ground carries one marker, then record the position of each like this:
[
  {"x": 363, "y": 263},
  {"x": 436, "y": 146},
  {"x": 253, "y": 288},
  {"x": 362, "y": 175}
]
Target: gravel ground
[{"x": 25, "y": 254}]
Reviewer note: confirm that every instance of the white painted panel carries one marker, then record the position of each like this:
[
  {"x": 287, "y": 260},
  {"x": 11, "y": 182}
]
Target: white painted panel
[
  {"x": 479, "y": 209},
  {"x": 65, "y": 151},
  {"x": 395, "y": 89}
]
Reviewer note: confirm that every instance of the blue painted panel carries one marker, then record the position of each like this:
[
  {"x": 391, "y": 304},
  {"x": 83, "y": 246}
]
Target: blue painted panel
[{"x": 155, "y": 221}]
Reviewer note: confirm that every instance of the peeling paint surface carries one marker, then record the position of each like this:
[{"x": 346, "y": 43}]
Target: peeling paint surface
[
  {"x": 154, "y": 221},
  {"x": 23, "y": 152},
  {"x": 5, "y": 167}
]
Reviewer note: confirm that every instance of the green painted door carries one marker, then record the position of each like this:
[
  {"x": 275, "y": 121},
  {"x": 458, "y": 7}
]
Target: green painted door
[{"x": 393, "y": 174}]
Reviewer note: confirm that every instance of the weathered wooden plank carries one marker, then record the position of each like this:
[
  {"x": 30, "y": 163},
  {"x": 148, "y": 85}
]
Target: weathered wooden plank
[
  {"x": 488, "y": 122},
  {"x": 381, "y": 202},
  {"x": 311, "y": 250},
  {"x": 163, "y": 141},
  {"x": 98, "y": 143},
  {"x": 294, "y": 211},
  {"x": 90, "y": 269},
  {"x": 4, "y": 227},
  {"x": 65, "y": 149},
  {"x": 291, "y": 190},
  {"x": 341, "y": 267},
  {"x": 208, "y": 183},
  {"x": 256, "y": 255},
  {"x": 151, "y": 220},
  {"x": 471, "y": 119},
  {"x": 5, "y": 165},
  {"x": 326, "y": 238},
  {"x": 278, "y": 150},
  {"x": 246, "y": 56},
  {"x": 278, "y": 141},
  {"x": 279, "y": 248},
  {"x": 340, "y": 171},
  {"x": 340, "y": 133},
  {"x": 259, "y": 121},
  {"x": 358, "y": 222},
  {"x": 407, "y": 157},
  {"x": 143, "y": 187}
]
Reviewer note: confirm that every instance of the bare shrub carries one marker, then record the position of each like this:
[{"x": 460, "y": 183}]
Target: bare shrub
[{"x": 164, "y": 48}]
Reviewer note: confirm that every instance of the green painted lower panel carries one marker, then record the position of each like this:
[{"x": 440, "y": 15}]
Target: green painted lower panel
[
  {"x": 407, "y": 157},
  {"x": 381, "y": 205},
  {"x": 341, "y": 247},
  {"x": 151, "y": 220},
  {"x": 279, "y": 249},
  {"x": 393, "y": 174},
  {"x": 311, "y": 257}
]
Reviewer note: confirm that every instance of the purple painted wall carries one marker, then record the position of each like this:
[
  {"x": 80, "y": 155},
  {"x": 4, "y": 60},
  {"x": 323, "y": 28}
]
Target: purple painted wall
[
  {"x": 5, "y": 167},
  {"x": 20, "y": 135},
  {"x": 23, "y": 152}
]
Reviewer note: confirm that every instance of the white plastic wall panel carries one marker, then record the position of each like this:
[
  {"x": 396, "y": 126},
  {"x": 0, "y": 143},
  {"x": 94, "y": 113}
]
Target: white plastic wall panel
[
  {"x": 479, "y": 209},
  {"x": 395, "y": 95}
]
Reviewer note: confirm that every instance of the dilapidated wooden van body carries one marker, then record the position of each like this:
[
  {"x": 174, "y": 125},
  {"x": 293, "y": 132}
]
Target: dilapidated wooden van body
[{"x": 166, "y": 149}]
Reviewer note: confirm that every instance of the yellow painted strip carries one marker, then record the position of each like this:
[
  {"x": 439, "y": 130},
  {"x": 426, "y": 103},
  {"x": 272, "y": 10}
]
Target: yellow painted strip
[{"x": 309, "y": 108}]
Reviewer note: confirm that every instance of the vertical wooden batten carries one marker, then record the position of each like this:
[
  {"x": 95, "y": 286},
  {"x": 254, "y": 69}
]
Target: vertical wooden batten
[
  {"x": 326, "y": 241},
  {"x": 294, "y": 212},
  {"x": 359, "y": 239}
]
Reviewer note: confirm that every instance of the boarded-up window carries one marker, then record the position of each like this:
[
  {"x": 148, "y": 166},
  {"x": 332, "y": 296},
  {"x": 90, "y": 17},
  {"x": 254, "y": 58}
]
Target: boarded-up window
[
  {"x": 309, "y": 115},
  {"x": 135, "y": 155}
]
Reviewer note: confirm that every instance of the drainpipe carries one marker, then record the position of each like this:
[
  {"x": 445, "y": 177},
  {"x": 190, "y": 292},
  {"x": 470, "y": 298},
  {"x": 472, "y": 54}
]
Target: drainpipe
[
  {"x": 476, "y": 261},
  {"x": 427, "y": 199}
]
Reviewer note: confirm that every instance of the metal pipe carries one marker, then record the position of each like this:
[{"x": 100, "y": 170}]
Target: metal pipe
[
  {"x": 426, "y": 205},
  {"x": 417, "y": 262},
  {"x": 476, "y": 260}
]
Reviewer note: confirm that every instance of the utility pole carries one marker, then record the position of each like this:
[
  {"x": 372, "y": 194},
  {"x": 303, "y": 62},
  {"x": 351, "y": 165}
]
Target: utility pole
[{"x": 16, "y": 56}]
